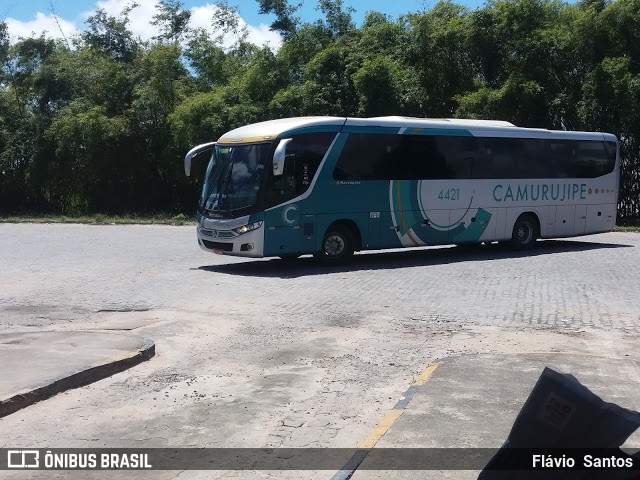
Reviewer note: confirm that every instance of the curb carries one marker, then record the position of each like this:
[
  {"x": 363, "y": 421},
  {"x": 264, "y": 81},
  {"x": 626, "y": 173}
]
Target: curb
[
  {"x": 79, "y": 379},
  {"x": 349, "y": 468}
]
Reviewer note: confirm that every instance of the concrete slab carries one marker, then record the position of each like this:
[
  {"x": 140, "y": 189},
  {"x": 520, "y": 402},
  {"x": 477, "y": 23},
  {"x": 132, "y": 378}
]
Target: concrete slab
[
  {"x": 472, "y": 401},
  {"x": 37, "y": 365}
]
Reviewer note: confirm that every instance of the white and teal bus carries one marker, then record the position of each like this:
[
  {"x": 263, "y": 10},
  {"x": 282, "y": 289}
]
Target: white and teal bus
[{"x": 329, "y": 186}]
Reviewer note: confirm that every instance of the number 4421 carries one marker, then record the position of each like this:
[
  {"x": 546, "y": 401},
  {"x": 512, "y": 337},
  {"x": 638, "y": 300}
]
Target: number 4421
[{"x": 449, "y": 194}]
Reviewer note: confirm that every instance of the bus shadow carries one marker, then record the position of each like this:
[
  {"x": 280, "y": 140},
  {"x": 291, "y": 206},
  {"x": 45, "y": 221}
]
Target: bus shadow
[{"x": 386, "y": 260}]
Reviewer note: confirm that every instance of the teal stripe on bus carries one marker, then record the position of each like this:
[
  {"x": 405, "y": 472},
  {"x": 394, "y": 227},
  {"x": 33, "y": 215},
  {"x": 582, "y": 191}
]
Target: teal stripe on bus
[
  {"x": 312, "y": 129},
  {"x": 370, "y": 129},
  {"x": 449, "y": 132}
]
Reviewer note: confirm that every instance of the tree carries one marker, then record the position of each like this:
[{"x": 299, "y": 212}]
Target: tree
[
  {"x": 439, "y": 53},
  {"x": 103, "y": 126},
  {"x": 4, "y": 49},
  {"x": 208, "y": 61},
  {"x": 377, "y": 88},
  {"x": 329, "y": 82},
  {"x": 31, "y": 94},
  {"x": 172, "y": 20},
  {"x": 162, "y": 85},
  {"x": 526, "y": 63},
  {"x": 89, "y": 174},
  {"x": 338, "y": 19},
  {"x": 286, "y": 23},
  {"x": 611, "y": 94},
  {"x": 111, "y": 35}
]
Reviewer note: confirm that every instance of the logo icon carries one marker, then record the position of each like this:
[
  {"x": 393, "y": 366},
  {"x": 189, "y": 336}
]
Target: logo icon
[
  {"x": 23, "y": 459},
  {"x": 289, "y": 214}
]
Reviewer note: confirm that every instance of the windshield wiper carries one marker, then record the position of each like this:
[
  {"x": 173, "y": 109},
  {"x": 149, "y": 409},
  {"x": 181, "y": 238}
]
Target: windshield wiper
[
  {"x": 216, "y": 192},
  {"x": 224, "y": 184}
]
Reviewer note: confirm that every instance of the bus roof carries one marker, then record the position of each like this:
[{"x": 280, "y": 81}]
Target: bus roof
[
  {"x": 283, "y": 127},
  {"x": 272, "y": 129},
  {"x": 437, "y": 122}
]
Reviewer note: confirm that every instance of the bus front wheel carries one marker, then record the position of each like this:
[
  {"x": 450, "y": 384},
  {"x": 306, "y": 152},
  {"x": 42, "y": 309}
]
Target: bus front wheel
[
  {"x": 525, "y": 232},
  {"x": 338, "y": 245}
]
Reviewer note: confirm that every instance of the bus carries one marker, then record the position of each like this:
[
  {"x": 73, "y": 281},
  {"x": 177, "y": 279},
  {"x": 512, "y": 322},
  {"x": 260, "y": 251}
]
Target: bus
[{"x": 331, "y": 186}]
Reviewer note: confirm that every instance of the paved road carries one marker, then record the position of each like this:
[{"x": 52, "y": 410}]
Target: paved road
[{"x": 254, "y": 353}]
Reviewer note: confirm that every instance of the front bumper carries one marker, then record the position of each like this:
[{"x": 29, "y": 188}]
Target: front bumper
[{"x": 218, "y": 236}]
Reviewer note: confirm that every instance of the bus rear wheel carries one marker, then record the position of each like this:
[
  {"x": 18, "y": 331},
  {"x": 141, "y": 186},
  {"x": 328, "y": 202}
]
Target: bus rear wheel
[
  {"x": 338, "y": 245},
  {"x": 525, "y": 232}
]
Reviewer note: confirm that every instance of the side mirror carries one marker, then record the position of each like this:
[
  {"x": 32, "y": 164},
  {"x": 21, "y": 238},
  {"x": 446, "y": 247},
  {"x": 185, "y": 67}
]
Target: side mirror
[
  {"x": 193, "y": 152},
  {"x": 279, "y": 156}
]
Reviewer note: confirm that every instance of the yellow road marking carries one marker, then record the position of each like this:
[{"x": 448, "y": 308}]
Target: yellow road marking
[
  {"x": 424, "y": 376},
  {"x": 381, "y": 428},
  {"x": 389, "y": 419}
]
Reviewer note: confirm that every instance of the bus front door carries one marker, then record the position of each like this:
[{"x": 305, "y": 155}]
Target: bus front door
[{"x": 286, "y": 230}]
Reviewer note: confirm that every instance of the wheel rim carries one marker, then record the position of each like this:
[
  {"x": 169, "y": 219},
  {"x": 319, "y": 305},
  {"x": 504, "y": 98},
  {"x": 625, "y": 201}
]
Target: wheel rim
[
  {"x": 524, "y": 233},
  {"x": 334, "y": 245}
]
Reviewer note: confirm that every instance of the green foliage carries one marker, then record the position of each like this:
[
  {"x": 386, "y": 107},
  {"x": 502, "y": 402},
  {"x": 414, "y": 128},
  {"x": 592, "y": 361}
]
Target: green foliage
[
  {"x": 611, "y": 94},
  {"x": 438, "y": 51},
  {"x": 172, "y": 20},
  {"x": 101, "y": 128},
  {"x": 211, "y": 65},
  {"x": 375, "y": 82},
  {"x": 338, "y": 19},
  {"x": 86, "y": 145},
  {"x": 4, "y": 43},
  {"x": 198, "y": 119},
  {"x": 110, "y": 35},
  {"x": 286, "y": 23},
  {"x": 329, "y": 81}
]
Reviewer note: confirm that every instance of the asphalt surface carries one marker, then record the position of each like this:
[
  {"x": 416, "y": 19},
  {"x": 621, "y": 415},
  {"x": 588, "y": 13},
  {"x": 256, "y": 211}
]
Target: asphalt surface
[
  {"x": 472, "y": 402},
  {"x": 257, "y": 353},
  {"x": 42, "y": 364}
]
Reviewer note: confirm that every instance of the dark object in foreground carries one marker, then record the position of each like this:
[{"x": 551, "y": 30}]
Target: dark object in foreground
[{"x": 565, "y": 431}]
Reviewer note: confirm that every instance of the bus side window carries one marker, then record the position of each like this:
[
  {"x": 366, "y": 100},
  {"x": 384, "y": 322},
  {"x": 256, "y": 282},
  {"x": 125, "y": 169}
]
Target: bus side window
[
  {"x": 508, "y": 157},
  {"x": 309, "y": 150},
  {"x": 561, "y": 157},
  {"x": 304, "y": 154},
  {"x": 422, "y": 158},
  {"x": 593, "y": 159},
  {"x": 460, "y": 153},
  {"x": 483, "y": 163},
  {"x": 287, "y": 181},
  {"x": 306, "y": 165},
  {"x": 368, "y": 157},
  {"x": 581, "y": 159},
  {"x": 612, "y": 150},
  {"x": 534, "y": 162}
]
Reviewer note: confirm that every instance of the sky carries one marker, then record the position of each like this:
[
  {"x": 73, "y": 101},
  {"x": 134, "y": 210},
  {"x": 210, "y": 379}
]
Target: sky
[{"x": 27, "y": 18}]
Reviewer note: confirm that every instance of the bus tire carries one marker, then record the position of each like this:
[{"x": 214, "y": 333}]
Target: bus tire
[
  {"x": 525, "y": 232},
  {"x": 338, "y": 245}
]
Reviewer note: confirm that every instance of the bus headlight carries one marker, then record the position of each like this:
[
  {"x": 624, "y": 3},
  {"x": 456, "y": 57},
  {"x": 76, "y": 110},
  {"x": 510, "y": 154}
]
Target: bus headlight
[{"x": 247, "y": 228}]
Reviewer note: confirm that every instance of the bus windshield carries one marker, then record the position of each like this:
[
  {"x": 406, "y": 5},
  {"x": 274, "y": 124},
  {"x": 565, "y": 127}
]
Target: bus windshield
[{"x": 233, "y": 177}]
